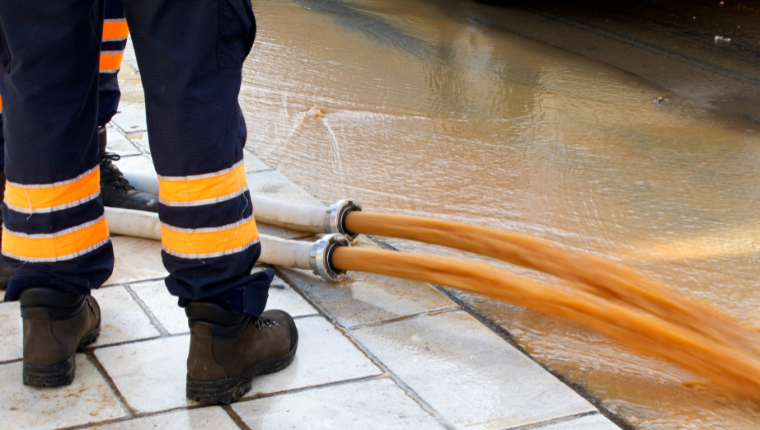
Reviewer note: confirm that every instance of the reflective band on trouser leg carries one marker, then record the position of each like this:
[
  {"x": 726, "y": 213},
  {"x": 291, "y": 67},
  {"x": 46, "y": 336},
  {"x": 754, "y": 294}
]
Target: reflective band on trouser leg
[
  {"x": 65, "y": 245},
  {"x": 110, "y": 61},
  {"x": 200, "y": 190},
  {"x": 209, "y": 242},
  {"x": 115, "y": 29},
  {"x": 51, "y": 197}
]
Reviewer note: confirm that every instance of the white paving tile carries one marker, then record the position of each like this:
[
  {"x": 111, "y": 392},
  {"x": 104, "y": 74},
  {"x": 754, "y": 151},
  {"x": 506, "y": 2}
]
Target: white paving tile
[
  {"x": 252, "y": 162},
  {"x": 151, "y": 374},
  {"x": 206, "y": 418},
  {"x": 378, "y": 404},
  {"x": 88, "y": 399},
  {"x": 324, "y": 356},
  {"x": 137, "y": 164},
  {"x": 281, "y": 296},
  {"x": 162, "y": 305},
  {"x": 275, "y": 185},
  {"x": 131, "y": 118},
  {"x": 363, "y": 298},
  {"x": 140, "y": 140},
  {"x": 119, "y": 144},
  {"x": 136, "y": 260},
  {"x": 475, "y": 379},
  {"x": 271, "y": 230},
  {"x": 11, "y": 332},
  {"x": 122, "y": 318},
  {"x": 588, "y": 422}
]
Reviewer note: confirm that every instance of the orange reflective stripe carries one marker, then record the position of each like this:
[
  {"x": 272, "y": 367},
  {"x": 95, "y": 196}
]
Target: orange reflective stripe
[
  {"x": 54, "y": 247},
  {"x": 206, "y": 187},
  {"x": 209, "y": 241},
  {"x": 42, "y": 197},
  {"x": 1, "y": 104},
  {"x": 115, "y": 30},
  {"x": 110, "y": 61}
]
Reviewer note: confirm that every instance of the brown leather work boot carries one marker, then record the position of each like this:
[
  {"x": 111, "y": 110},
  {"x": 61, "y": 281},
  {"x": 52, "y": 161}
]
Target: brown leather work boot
[
  {"x": 227, "y": 350},
  {"x": 56, "y": 325}
]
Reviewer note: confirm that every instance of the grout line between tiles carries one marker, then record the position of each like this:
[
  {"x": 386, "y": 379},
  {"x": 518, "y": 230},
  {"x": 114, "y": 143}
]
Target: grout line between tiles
[
  {"x": 237, "y": 419},
  {"x": 129, "y": 342},
  {"x": 258, "y": 396},
  {"x": 111, "y": 385},
  {"x": 442, "y": 310},
  {"x": 300, "y": 317},
  {"x": 15, "y": 360},
  {"x": 407, "y": 389},
  {"x": 126, "y": 283},
  {"x": 156, "y": 323},
  {"x": 125, "y": 134},
  {"x": 553, "y": 421},
  {"x": 258, "y": 171}
]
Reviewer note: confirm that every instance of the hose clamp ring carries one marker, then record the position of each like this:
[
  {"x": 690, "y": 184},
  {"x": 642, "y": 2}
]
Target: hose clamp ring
[
  {"x": 335, "y": 218},
  {"x": 320, "y": 257}
]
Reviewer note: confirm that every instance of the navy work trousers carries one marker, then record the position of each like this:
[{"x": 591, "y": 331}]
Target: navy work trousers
[
  {"x": 112, "y": 45},
  {"x": 190, "y": 54}
]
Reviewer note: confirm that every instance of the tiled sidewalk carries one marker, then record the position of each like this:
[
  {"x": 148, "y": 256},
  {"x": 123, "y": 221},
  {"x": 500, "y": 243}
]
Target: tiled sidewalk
[{"x": 374, "y": 352}]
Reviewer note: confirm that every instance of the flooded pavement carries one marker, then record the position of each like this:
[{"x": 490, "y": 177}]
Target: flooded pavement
[{"x": 433, "y": 108}]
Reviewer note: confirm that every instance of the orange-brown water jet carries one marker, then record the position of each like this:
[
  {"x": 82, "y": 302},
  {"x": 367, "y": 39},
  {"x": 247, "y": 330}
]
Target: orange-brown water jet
[
  {"x": 724, "y": 364},
  {"x": 592, "y": 274}
]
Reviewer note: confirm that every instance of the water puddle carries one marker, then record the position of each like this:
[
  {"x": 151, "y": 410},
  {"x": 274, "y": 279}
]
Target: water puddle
[{"x": 395, "y": 104}]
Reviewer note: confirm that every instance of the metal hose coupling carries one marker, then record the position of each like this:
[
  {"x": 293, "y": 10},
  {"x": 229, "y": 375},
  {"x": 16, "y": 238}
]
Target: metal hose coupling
[
  {"x": 335, "y": 217},
  {"x": 320, "y": 257}
]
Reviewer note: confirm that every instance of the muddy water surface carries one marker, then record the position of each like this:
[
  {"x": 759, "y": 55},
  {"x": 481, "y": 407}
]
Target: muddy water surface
[{"x": 399, "y": 105}]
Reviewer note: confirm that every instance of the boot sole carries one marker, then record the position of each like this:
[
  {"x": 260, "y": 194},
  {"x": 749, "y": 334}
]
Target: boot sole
[
  {"x": 229, "y": 390},
  {"x": 57, "y": 375}
]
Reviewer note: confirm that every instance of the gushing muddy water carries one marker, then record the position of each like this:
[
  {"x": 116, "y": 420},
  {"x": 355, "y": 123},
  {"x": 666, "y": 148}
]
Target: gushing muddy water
[{"x": 397, "y": 105}]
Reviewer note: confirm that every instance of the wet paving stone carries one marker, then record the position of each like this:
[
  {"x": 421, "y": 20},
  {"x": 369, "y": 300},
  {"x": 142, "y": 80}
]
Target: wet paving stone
[
  {"x": 275, "y": 185},
  {"x": 136, "y": 260},
  {"x": 88, "y": 399},
  {"x": 119, "y": 144},
  {"x": 467, "y": 373},
  {"x": 122, "y": 319},
  {"x": 378, "y": 404},
  {"x": 11, "y": 335},
  {"x": 588, "y": 422},
  {"x": 207, "y": 418}
]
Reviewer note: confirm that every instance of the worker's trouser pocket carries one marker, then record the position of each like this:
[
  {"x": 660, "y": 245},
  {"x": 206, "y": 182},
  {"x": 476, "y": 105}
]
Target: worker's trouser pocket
[{"x": 236, "y": 31}]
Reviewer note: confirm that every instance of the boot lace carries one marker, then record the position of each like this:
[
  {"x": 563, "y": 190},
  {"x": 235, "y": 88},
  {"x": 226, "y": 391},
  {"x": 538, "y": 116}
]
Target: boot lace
[
  {"x": 111, "y": 176},
  {"x": 265, "y": 323}
]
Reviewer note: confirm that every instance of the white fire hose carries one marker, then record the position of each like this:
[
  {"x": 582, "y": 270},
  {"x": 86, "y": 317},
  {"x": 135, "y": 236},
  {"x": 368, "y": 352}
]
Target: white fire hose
[{"x": 316, "y": 256}]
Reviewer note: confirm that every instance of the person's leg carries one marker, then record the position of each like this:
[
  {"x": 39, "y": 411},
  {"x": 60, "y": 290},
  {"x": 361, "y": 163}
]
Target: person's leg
[
  {"x": 115, "y": 189},
  {"x": 190, "y": 55},
  {"x": 115, "y": 33},
  {"x": 5, "y": 271},
  {"x": 54, "y": 230}
]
